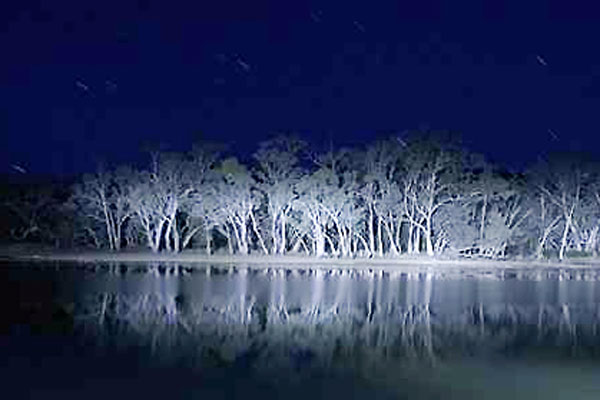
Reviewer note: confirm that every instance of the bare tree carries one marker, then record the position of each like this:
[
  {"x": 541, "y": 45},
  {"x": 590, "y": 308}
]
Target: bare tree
[
  {"x": 151, "y": 205},
  {"x": 559, "y": 184},
  {"x": 589, "y": 224},
  {"x": 104, "y": 197}
]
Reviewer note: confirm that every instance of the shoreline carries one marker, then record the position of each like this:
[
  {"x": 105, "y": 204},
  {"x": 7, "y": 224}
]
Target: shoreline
[{"x": 14, "y": 254}]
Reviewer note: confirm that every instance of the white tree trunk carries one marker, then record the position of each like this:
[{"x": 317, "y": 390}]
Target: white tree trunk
[
  {"x": 208, "y": 240},
  {"x": 188, "y": 237},
  {"x": 428, "y": 238},
  {"x": 417, "y": 241},
  {"x": 564, "y": 238},
  {"x": 108, "y": 222},
  {"x": 274, "y": 234},
  {"x": 229, "y": 239},
  {"x": 257, "y": 233},
  {"x": 389, "y": 231},
  {"x": 483, "y": 215},
  {"x": 379, "y": 237},
  {"x": 371, "y": 230},
  {"x": 410, "y": 247},
  {"x": 283, "y": 241},
  {"x": 319, "y": 241}
]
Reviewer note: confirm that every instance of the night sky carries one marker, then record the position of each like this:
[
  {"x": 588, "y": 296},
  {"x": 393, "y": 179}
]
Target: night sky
[{"x": 86, "y": 81}]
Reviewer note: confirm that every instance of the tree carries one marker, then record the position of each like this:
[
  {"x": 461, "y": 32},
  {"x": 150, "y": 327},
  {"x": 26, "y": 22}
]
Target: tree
[
  {"x": 311, "y": 189},
  {"x": 380, "y": 194},
  {"x": 589, "y": 224},
  {"x": 506, "y": 218},
  {"x": 277, "y": 173},
  {"x": 35, "y": 212},
  {"x": 149, "y": 200},
  {"x": 26, "y": 207},
  {"x": 104, "y": 197},
  {"x": 195, "y": 206},
  {"x": 235, "y": 188},
  {"x": 559, "y": 185},
  {"x": 496, "y": 206},
  {"x": 430, "y": 176},
  {"x": 327, "y": 199}
]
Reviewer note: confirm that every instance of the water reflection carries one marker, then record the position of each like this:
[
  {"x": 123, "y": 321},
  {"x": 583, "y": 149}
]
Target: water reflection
[
  {"x": 280, "y": 323},
  {"x": 385, "y": 315}
]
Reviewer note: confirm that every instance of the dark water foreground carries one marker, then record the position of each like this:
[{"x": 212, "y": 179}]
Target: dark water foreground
[{"x": 76, "y": 332}]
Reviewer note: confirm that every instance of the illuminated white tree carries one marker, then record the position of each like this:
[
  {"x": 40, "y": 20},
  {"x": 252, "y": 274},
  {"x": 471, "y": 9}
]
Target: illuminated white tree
[
  {"x": 496, "y": 206},
  {"x": 560, "y": 185},
  {"x": 430, "y": 176},
  {"x": 311, "y": 190},
  {"x": 150, "y": 201},
  {"x": 105, "y": 197},
  {"x": 236, "y": 191},
  {"x": 277, "y": 173},
  {"x": 327, "y": 199},
  {"x": 381, "y": 194},
  {"x": 197, "y": 206}
]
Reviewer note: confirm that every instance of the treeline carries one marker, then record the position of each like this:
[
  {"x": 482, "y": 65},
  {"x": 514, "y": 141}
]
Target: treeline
[{"x": 422, "y": 194}]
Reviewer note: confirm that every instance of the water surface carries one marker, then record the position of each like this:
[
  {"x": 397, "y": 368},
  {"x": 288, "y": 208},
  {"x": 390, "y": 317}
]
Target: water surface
[{"x": 158, "y": 330}]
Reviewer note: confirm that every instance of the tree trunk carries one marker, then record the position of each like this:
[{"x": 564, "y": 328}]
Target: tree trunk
[
  {"x": 229, "y": 239},
  {"x": 417, "y": 242},
  {"x": 590, "y": 245},
  {"x": 379, "y": 237},
  {"x": 483, "y": 215},
  {"x": 171, "y": 235},
  {"x": 154, "y": 234},
  {"x": 410, "y": 246},
  {"x": 274, "y": 233},
  {"x": 334, "y": 251},
  {"x": 428, "y": 238},
  {"x": 319, "y": 241},
  {"x": 563, "y": 241},
  {"x": 176, "y": 237},
  {"x": 398, "y": 236},
  {"x": 257, "y": 233},
  {"x": 342, "y": 239},
  {"x": 158, "y": 235},
  {"x": 168, "y": 235},
  {"x": 364, "y": 243},
  {"x": 300, "y": 243},
  {"x": 371, "y": 230},
  {"x": 97, "y": 243},
  {"x": 241, "y": 237},
  {"x": 542, "y": 244},
  {"x": 119, "y": 233},
  {"x": 188, "y": 237},
  {"x": 390, "y": 234},
  {"x": 244, "y": 248},
  {"x": 208, "y": 240},
  {"x": 108, "y": 223},
  {"x": 282, "y": 243}
]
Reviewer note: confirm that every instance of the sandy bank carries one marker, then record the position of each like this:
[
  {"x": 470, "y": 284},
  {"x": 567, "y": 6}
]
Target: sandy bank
[{"x": 28, "y": 253}]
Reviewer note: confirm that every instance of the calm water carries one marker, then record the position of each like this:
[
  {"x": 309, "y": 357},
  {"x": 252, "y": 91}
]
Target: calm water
[{"x": 72, "y": 331}]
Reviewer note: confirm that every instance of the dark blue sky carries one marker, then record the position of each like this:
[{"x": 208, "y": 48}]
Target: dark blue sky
[{"x": 81, "y": 81}]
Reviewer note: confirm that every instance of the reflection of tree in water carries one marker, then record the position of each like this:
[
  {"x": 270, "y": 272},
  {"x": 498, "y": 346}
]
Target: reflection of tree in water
[{"x": 278, "y": 338}]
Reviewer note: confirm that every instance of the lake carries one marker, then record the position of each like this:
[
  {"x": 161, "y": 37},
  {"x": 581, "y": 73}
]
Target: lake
[{"x": 92, "y": 331}]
